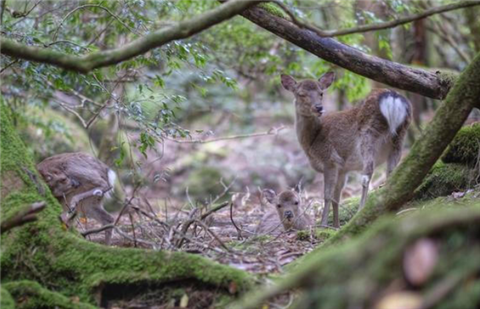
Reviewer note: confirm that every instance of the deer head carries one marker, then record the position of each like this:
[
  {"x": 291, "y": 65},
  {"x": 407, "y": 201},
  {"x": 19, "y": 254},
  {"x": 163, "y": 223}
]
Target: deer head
[
  {"x": 58, "y": 182},
  {"x": 287, "y": 204},
  {"x": 308, "y": 93}
]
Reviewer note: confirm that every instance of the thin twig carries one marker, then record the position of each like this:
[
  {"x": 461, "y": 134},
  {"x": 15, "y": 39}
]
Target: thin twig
[
  {"x": 127, "y": 203},
  {"x": 377, "y": 26},
  {"x": 214, "y": 209},
  {"x": 272, "y": 131},
  {"x": 239, "y": 231},
  {"x": 91, "y": 6}
]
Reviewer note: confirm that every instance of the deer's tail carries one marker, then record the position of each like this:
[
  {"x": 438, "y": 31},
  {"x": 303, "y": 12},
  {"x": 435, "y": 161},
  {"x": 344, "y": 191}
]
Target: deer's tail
[{"x": 395, "y": 108}]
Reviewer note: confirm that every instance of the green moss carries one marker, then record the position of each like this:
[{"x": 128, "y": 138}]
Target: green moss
[
  {"x": 273, "y": 9},
  {"x": 43, "y": 251},
  {"x": 447, "y": 77},
  {"x": 320, "y": 234},
  {"x": 444, "y": 179},
  {"x": 360, "y": 269},
  {"x": 348, "y": 208},
  {"x": 465, "y": 146},
  {"x": 6, "y": 300},
  {"x": 468, "y": 298},
  {"x": 31, "y": 295}
]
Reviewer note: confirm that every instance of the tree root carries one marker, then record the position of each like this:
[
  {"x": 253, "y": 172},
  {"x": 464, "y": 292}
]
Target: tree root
[
  {"x": 30, "y": 294},
  {"x": 43, "y": 251}
]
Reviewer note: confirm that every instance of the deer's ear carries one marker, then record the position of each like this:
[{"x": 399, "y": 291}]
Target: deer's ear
[
  {"x": 326, "y": 80},
  {"x": 288, "y": 82},
  {"x": 269, "y": 195}
]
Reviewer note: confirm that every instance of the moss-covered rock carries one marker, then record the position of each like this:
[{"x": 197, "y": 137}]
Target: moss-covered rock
[
  {"x": 465, "y": 146},
  {"x": 444, "y": 179}
]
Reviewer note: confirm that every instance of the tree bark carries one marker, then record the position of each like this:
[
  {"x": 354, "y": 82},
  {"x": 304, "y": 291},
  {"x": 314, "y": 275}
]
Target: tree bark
[
  {"x": 431, "y": 84},
  {"x": 44, "y": 252}
]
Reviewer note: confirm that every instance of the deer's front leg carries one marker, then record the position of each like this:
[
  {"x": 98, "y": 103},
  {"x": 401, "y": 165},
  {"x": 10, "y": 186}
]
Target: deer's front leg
[
  {"x": 342, "y": 177},
  {"x": 330, "y": 176},
  {"x": 79, "y": 197}
]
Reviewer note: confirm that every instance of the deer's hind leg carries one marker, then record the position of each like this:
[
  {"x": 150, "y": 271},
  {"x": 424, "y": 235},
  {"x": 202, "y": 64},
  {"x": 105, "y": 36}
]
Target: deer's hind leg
[
  {"x": 396, "y": 149},
  {"x": 369, "y": 152}
]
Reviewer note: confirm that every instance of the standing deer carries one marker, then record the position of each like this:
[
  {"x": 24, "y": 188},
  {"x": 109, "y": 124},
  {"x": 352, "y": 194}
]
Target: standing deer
[
  {"x": 356, "y": 139},
  {"x": 79, "y": 181}
]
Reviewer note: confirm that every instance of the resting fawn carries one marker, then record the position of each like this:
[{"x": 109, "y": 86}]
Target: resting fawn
[
  {"x": 288, "y": 213},
  {"x": 357, "y": 139},
  {"x": 79, "y": 181}
]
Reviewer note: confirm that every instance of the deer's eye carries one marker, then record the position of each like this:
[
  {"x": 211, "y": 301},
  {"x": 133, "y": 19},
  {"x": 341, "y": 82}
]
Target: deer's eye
[
  {"x": 296, "y": 202},
  {"x": 279, "y": 205},
  {"x": 64, "y": 180}
]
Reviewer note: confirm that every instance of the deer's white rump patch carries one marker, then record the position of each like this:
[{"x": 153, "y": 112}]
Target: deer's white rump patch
[{"x": 394, "y": 109}]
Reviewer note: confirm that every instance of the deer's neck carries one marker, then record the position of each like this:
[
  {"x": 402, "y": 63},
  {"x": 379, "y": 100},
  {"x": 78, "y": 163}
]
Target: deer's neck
[{"x": 308, "y": 128}]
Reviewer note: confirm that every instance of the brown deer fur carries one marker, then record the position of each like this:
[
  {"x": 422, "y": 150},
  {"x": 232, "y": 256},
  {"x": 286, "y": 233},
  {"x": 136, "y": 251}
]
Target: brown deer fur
[
  {"x": 356, "y": 139},
  {"x": 79, "y": 181},
  {"x": 288, "y": 213}
]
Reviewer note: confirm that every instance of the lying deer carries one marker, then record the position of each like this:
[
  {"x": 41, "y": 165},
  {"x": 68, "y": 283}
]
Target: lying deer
[
  {"x": 288, "y": 213},
  {"x": 357, "y": 139},
  {"x": 79, "y": 181}
]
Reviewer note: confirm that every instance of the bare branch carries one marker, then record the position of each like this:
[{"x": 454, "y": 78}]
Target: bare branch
[
  {"x": 272, "y": 131},
  {"x": 427, "y": 83},
  {"x": 378, "y": 26},
  {"x": 89, "y": 62}
]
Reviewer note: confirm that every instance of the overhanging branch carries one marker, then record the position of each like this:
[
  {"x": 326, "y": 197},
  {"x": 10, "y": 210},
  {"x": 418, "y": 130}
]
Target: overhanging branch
[
  {"x": 85, "y": 64},
  {"x": 427, "y": 83}
]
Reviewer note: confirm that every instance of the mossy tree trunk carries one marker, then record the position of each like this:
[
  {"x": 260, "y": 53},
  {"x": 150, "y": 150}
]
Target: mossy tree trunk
[
  {"x": 59, "y": 269},
  {"x": 371, "y": 269}
]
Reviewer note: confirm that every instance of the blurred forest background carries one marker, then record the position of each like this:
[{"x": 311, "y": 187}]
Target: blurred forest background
[{"x": 206, "y": 115}]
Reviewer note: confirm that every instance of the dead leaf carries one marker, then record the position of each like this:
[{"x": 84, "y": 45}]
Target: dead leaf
[
  {"x": 184, "y": 301},
  {"x": 400, "y": 300},
  {"x": 419, "y": 261}
]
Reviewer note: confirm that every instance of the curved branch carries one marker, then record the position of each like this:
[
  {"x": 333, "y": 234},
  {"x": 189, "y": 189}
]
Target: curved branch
[
  {"x": 89, "y": 62},
  {"x": 379, "y": 26}
]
